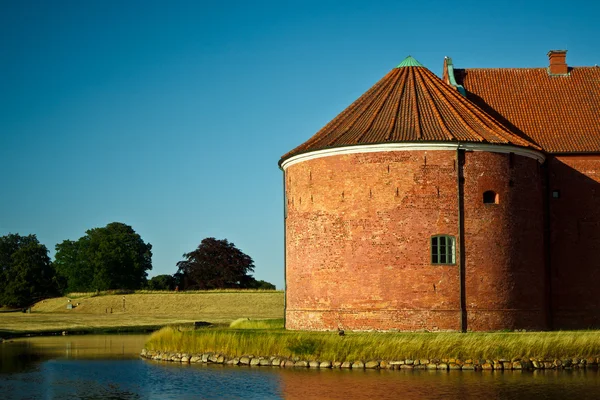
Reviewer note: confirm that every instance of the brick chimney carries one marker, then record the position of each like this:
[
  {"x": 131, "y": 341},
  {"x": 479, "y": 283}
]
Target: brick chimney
[{"x": 558, "y": 63}]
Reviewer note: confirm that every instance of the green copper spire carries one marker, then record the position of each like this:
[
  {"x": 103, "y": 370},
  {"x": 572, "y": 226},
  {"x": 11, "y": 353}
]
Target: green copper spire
[{"x": 409, "y": 62}]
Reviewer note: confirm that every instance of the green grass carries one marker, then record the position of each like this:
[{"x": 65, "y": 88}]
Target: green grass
[
  {"x": 247, "y": 323},
  {"x": 386, "y": 346},
  {"x": 77, "y": 295},
  {"x": 147, "y": 309}
]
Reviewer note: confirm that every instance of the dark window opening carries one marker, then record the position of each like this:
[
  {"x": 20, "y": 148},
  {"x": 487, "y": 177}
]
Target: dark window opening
[
  {"x": 490, "y": 197},
  {"x": 443, "y": 249}
]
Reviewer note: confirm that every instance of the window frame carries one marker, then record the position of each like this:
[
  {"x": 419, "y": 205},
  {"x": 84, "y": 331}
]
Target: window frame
[{"x": 446, "y": 250}]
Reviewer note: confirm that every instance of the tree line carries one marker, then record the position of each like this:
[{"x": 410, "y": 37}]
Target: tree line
[{"x": 113, "y": 257}]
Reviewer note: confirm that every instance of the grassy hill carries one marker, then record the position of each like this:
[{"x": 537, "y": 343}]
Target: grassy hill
[{"x": 142, "y": 310}]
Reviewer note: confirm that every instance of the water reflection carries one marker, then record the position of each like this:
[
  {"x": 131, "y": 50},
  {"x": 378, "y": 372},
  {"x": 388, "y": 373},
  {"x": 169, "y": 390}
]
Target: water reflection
[
  {"x": 18, "y": 358},
  {"x": 108, "y": 367},
  {"x": 20, "y": 355},
  {"x": 331, "y": 384}
]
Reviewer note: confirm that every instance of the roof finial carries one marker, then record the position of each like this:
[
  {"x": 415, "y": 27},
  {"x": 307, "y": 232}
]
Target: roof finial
[{"x": 409, "y": 62}]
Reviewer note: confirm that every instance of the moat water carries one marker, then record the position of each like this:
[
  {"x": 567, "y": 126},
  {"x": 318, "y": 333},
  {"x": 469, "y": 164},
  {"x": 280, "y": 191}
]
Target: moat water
[{"x": 109, "y": 367}]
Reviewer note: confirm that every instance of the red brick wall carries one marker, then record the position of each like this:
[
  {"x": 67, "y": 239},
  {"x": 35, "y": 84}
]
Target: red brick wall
[
  {"x": 505, "y": 270},
  {"x": 358, "y": 234},
  {"x": 358, "y": 231},
  {"x": 575, "y": 240}
]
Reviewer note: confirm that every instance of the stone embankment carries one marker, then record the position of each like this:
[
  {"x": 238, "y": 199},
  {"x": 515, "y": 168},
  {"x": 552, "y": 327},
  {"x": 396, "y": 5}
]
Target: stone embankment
[{"x": 408, "y": 364}]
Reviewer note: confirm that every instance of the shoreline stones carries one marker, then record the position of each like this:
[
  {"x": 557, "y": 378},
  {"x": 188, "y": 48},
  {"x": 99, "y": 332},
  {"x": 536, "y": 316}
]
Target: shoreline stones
[{"x": 445, "y": 364}]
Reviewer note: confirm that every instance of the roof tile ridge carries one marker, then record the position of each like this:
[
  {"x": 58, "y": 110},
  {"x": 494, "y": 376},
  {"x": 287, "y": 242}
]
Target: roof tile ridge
[
  {"x": 410, "y": 118},
  {"x": 390, "y": 92},
  {"x": 396, "y": 108},
  {"x": 434, "y": 107},
  {"x": 341, "y": 118},
  {"x": 415, "y": 106},
  {"x": 372, "y": 100},
  {"x": 491, "y": 122},
  {"x": 458, "y": 114},
  {"x": 366, "y": 105}
]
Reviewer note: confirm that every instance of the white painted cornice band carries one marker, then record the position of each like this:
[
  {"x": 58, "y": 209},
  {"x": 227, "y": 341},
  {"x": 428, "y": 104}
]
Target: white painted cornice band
[{"x": 374, "y": 148}]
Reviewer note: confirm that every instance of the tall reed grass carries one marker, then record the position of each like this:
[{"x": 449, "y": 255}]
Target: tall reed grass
[{"x": 388, "y": 346}]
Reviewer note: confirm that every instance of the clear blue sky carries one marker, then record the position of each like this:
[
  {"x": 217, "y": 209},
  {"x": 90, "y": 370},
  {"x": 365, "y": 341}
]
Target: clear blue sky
[{"x": 171, "y": 116}]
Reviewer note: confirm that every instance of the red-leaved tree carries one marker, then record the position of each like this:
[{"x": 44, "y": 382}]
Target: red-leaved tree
[{"x": 215, "y": 264}]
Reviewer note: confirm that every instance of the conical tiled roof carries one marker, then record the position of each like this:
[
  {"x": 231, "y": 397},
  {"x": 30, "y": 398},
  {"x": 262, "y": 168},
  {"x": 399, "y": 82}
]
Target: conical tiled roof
[{"x": 410, "y": 104}]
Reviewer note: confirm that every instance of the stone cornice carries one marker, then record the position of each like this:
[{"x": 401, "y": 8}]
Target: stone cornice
[{"x": 385, "y": 147}]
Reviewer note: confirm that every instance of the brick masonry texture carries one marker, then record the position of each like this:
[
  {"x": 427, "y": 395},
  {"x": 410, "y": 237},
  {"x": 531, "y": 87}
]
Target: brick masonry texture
[
  {"x": 358, "y": 232},
  {"x": 504, "y": 243},
  {"x": 575, "y": 240}
]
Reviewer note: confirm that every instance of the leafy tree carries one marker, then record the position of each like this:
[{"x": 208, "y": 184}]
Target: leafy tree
[
  {"x": 162, "y": 282},
  {"x": 263, "y": 285},
  {"x": 113, "y": 257},
  {"x": 26, "y": 272},
  {"x": 215, "y": 264},
  {"x": 75, "y": 271}
]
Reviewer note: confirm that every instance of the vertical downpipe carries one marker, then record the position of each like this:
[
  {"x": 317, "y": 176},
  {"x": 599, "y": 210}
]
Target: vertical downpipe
[
  {"x": 284, "y": 252},
  {"x": 460, "y": 182},
  {"x": 547, "y": 251}
]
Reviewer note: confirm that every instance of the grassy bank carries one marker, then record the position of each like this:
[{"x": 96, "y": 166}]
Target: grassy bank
[
  {"x": 366, "y": 346},
  {"x": 142, "y": 311}
]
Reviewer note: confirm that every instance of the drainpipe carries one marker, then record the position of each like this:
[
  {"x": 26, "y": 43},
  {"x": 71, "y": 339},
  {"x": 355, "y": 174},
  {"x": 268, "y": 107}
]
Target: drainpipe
[
  {"x": 284, "y": 252},
  {"x": 460, "y": 158},
  {"x": 547, "y": 251}
]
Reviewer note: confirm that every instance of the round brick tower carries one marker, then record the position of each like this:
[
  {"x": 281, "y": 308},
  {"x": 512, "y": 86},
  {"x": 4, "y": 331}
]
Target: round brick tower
[{"x": 413, "y": 209}]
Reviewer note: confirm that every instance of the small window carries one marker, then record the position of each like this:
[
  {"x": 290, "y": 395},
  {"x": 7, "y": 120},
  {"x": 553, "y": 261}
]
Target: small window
[
  {"x": 556, "y": 194},
  {"x": 443, "y": 249},
  {"x": 490, "y": 197}
]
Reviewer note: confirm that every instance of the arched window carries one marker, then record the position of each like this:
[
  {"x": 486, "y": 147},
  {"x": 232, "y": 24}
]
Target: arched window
[
  {"x": 443, "y": 249},
  {"x": 490, "y": 197}
]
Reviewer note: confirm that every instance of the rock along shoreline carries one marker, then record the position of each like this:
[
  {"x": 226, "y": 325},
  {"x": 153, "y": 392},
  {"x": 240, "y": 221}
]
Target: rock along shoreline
[{"x": 502, "y": 364}]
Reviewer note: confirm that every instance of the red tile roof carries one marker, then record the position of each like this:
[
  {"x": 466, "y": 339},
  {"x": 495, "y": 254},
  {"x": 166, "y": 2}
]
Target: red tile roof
[
  {"x": 559, "y": 113},
  {"x": 411, "y": 104}
]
